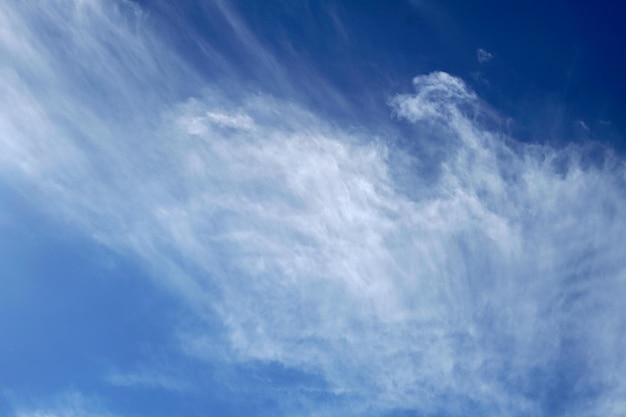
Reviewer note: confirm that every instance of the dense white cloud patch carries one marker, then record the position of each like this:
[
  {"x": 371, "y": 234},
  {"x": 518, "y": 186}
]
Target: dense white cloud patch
[{"x": 494, "y": 286}]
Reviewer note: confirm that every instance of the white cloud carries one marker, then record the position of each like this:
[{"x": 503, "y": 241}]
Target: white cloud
[
  {"x": 70, "y": 404},
  {"x": 473, "y": 291},
  {"x": 237, "y": 121},
  {"x": 483, "y": 55},
  {"x": 148, "y": 379},
  {"x": 583, "y": 125}
]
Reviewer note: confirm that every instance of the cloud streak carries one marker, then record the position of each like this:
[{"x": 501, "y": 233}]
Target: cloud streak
[
  {"x": 492, "y": 285},
  {"x": 69, "y": 404}
]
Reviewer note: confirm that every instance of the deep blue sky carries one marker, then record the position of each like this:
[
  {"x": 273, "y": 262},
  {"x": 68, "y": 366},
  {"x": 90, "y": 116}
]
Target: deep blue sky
[{"x": 300, "y": 208}]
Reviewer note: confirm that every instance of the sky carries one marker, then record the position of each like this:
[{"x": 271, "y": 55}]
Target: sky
[{"x": 312, "y": 208}]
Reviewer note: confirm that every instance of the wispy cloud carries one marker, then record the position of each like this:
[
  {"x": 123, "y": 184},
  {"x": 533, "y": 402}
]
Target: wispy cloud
[
  {"x": 148, "y": 379},
  {"x": 70, "y": 404},
  {"x": 491, "y": 286},
  {"x": 483, "y": 55}
]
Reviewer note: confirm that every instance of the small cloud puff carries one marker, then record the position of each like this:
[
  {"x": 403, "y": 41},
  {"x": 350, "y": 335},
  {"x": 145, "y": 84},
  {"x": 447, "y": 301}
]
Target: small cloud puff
[
  {"x": 582, "y": 125},
  {"x": 483, "y": 55},
  {"x": 237, "y": 121}
]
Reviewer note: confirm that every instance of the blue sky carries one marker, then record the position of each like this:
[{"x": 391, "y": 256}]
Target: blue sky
[{"x": 235, "y": 208}]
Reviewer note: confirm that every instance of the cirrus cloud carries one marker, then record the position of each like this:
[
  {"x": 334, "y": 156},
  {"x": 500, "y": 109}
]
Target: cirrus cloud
[{"x": 492, "y": 286}]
